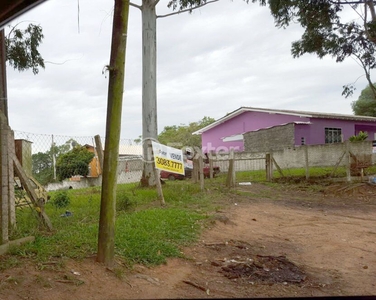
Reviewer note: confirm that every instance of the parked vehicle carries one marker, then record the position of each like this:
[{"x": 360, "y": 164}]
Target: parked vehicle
[{"x": 188, "y": 173}]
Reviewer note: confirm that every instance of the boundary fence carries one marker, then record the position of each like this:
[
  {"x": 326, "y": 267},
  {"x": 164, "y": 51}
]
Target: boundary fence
[{"x": 354, "y": 156}]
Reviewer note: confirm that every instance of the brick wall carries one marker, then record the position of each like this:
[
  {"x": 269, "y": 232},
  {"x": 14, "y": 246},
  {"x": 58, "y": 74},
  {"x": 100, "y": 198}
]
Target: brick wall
[{"x": 274, "y": 138}]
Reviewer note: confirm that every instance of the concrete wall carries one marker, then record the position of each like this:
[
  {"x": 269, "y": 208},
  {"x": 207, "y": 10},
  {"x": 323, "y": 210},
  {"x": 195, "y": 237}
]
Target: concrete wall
[
  {"x": 294, "y": 157},
  {"x": 275, "y": 138},
  {"x": 128, "y": 171}
]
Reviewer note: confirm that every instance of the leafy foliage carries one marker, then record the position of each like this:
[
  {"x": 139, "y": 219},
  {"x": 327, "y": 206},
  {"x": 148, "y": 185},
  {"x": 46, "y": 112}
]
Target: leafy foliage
[
  {"x": 43, "y": 169},
  {"x": 362, "y": 136},
  {"x": 74, "y": 162},
  {"x": 22, "y": 48},
  {"x": 180, "y": 136},
  {"x": 327, "y": 34},
  {"x": 61, "y": 199},
  {"x": 366, "y": 104}
]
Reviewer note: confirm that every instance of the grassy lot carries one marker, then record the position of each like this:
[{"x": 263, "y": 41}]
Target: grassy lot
[{"x": 145, "y": 232}]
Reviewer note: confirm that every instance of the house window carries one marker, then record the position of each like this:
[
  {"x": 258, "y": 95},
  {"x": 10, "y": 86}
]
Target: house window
[
  {"x": 302, "y": 140},
  {"x": 333, "y": 135}
]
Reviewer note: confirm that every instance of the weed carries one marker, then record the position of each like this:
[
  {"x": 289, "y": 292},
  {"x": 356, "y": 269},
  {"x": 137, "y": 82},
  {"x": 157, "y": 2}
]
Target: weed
[
  {"x": 123, "y": 202},
  {"x": 61, "y": 199}
]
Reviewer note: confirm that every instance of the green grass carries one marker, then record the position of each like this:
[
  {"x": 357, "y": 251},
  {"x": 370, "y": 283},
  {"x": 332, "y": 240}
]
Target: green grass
[{"x": 145, "y": 232}]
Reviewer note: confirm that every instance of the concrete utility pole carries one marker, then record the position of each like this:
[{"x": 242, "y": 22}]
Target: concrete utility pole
[
  {"x": 149, "y": 76},
  {"x": 3, "y": 78},
  {"x": 149, "y": 88},
  {"x": 106, "y": 235}
]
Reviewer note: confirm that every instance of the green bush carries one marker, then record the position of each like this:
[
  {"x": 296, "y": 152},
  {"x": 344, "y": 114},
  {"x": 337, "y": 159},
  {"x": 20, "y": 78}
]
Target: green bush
[{"x": 61, "y": 199}]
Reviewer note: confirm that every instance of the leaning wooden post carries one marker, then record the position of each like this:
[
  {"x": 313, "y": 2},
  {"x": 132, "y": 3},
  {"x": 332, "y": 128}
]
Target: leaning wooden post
[
  {"x": 99, "y": 149},
  {"x": 306, "y": 162},
  {"x": 31, "y": 193},
  {"x": 159, "y": 186},
  {"x": 116, "y": 69}
]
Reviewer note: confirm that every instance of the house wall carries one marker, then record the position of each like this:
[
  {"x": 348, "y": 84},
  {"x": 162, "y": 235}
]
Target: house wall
[
  {"x": 315, "y": 133},
  {"x": 247, "y": 121},
  {"x": 275, "y": 138}
]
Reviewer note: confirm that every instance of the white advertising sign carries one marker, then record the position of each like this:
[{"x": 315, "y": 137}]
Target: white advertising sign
[{"x": 168, "y": 158}]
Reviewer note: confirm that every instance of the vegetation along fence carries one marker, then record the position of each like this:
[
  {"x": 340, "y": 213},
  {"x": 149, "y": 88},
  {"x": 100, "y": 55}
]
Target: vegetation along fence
[
  {"x": 41, "y": 154},
  {"x": 346, "y": 159}
]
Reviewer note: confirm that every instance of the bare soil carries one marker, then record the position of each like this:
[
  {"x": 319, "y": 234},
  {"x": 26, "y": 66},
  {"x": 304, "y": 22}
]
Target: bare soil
[{"x": 265, "y": 242}]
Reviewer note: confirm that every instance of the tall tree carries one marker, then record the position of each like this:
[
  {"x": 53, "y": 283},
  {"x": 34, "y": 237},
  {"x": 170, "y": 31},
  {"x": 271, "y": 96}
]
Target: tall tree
[
  {"x": 149, "y": 74},
  {"x": 366, "y": 104},
  {"x": 20, "y": 48},
  {"x": 116, "y": 69},
  {"x": 181, "y": 136},
  {"x": 74, "y": 162},
  {"x": 328, "y": 33}
]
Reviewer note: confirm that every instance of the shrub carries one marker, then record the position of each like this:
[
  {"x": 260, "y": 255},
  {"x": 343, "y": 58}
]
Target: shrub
[{"x": 61, "y": 199}]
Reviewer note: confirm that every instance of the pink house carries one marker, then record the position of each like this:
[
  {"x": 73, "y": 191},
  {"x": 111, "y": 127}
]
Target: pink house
[{"x": 304, "y": 128}]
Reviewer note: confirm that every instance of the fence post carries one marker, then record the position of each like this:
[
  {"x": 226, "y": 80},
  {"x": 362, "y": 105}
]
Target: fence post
[
  {"x": 269, "y": 166},
  {"x": 53, "y": 155},
  {"x": 12, "y": 205},
  {"x": 99, "y": 148},
  {"x": 348, "y": 160},
  {"x": 195, "y": 171},
  {"x": 201, "y": 172},
  {"x": 230, "y": 181},
  {"x": 211, "y": 164},
  {"x": 306, "y": 162},
  {"x": 4, "y": 172}
]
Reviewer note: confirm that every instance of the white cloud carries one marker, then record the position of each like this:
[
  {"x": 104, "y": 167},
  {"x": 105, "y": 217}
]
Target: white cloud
[{"x": 225, "y": 55}]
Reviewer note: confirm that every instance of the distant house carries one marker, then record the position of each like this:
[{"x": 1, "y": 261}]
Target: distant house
[
  {"x": 260, "y": 129},
  {"x": 94, "y": 166}
]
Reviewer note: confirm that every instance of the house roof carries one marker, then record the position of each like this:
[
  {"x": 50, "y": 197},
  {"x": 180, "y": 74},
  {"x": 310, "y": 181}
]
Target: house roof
[
  {"x": 10, "y": 9},
  {"x": 284, "y": 112}
]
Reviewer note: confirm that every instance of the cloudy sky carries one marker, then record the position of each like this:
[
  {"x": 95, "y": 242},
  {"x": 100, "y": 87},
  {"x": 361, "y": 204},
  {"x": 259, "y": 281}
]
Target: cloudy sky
[{"x": 222, "y": 56}]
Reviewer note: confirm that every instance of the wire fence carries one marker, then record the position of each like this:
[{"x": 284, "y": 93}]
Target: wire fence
[{"x": 51, "y": 146}]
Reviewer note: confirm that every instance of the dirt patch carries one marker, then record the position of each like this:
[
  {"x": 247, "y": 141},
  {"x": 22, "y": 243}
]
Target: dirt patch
[{"x": 265, "y": 242}]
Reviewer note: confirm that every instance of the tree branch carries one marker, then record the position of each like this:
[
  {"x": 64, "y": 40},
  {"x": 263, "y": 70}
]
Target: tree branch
[
  {"x": 135, "y": 5},
  {"x": 185, "y": 10}
]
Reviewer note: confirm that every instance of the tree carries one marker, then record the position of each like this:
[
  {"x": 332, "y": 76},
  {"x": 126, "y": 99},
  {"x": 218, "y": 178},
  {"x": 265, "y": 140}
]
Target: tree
[
  {"x": 116, "y": 68},
  {"x": 326, "y": 32},
  {"x": 149, "y": 74},
  {"x": 44, "y": 162},
  {"x": 366, "y": 104},
  {"x": 43, "y": 167},
  {"x": 74, "y": 162},
  {"x": 22, "y": 48},
  {"x": 180, "y": 136}
]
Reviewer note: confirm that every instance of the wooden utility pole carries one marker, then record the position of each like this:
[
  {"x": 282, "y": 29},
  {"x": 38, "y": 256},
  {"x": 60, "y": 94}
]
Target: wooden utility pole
[{"x": 106, "y": 235}]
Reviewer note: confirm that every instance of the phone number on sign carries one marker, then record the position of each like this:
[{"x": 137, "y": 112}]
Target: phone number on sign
[{"x": 169, "y": 163}]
